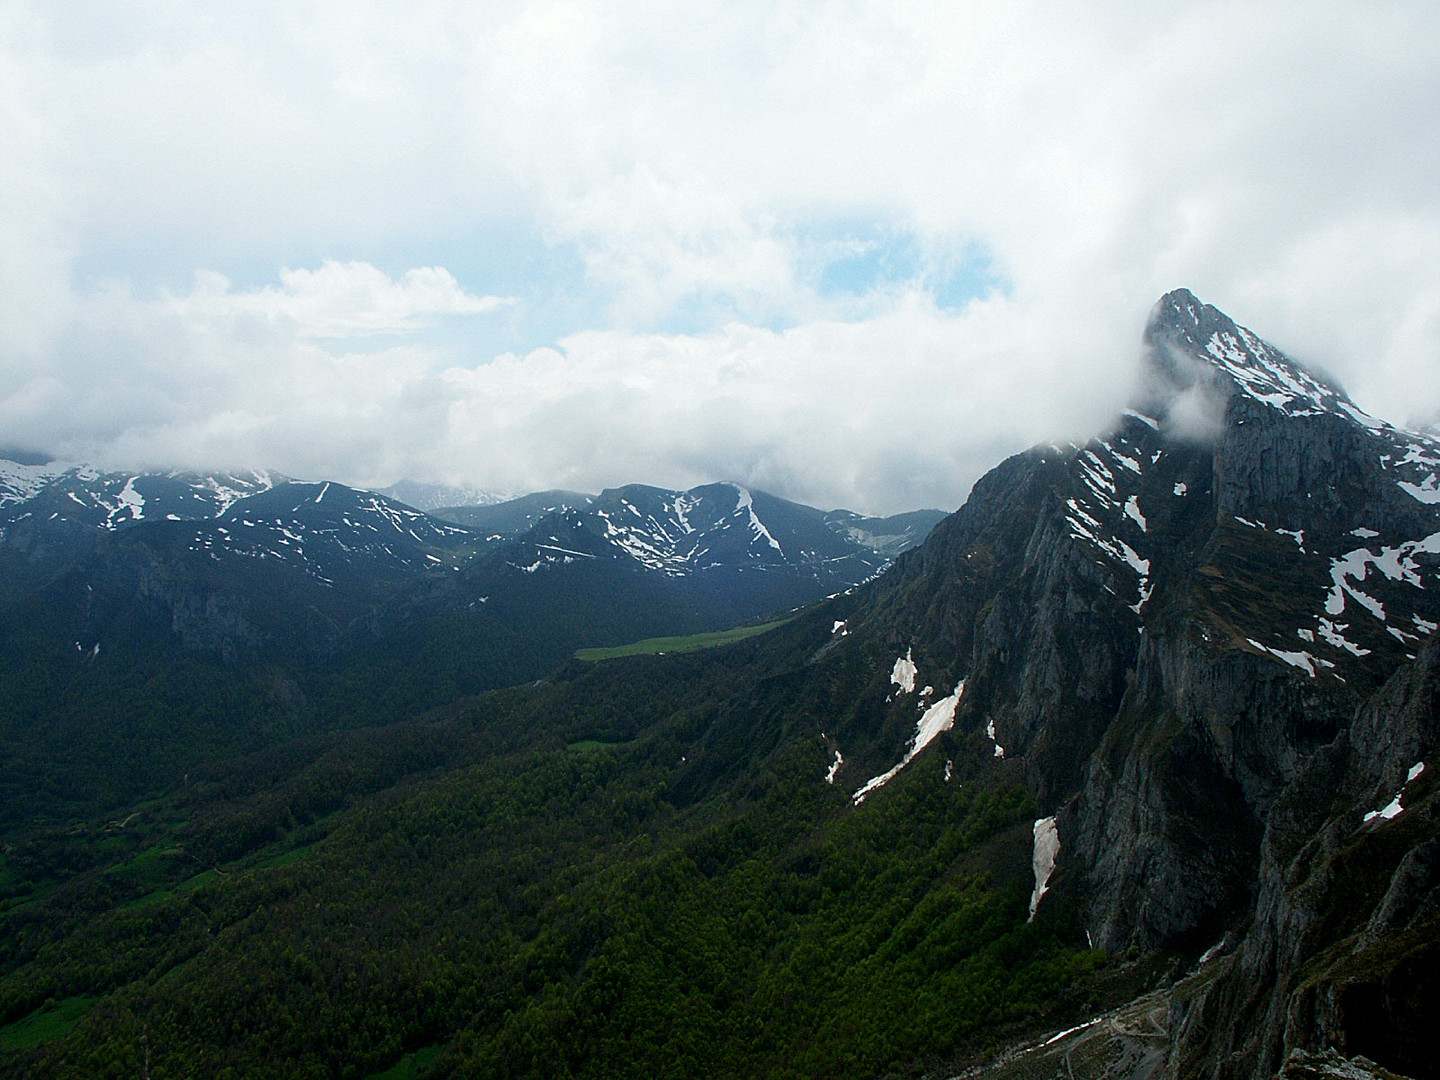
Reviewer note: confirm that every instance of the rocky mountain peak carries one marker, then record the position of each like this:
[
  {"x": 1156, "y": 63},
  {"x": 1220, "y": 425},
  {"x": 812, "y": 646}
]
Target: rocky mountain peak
[{"x": 1193, "y": 349}]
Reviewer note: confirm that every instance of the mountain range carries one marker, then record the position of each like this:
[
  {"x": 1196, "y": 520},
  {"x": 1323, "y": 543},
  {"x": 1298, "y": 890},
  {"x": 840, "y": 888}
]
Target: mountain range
[
  {"x": 1127, "y": 770},
  {"x": 317, "y": 605}
]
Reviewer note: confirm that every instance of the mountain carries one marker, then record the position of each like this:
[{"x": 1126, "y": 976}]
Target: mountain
[
  {"x": 1128, "y": 770},
  {"x": 310, "y": 606},
  {"x": 695, "y": 560},
  {"x": 1181, "y": 630},
  {"x": 80, "y": 493},
  {"x": 638, "y": 562},
  {"x": 429, "y": 497},
  {"x": 712, "y": 528},
  {"x": 513, "y": 517},
  {"x": 259, "y": 556},
  {"x": 51, "y": 511},
  {"x": 656, "y": 526}
]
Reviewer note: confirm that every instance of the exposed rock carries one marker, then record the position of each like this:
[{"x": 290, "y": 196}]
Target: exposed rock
[
  {"x": 1194, "y": 635},
  {"x": 1328, "y": 1065}
]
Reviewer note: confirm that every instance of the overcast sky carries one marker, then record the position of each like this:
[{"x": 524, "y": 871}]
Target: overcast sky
[{"x": 852, "y": 253}]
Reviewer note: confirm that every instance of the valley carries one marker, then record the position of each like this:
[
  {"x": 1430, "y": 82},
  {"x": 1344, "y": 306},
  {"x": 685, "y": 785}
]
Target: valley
[{"x": 1126, "y": 769}]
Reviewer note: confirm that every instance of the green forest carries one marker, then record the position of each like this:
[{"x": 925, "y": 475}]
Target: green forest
[{"x": 632, "y": 868}]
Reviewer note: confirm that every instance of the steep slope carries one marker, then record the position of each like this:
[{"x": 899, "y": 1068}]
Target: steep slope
[
  {"x": 1163, "y": 623},
  {"x": 52, "y": 513},
  {"x": 1173, "y": 629},
  {"x": 1344, "y": 950}
]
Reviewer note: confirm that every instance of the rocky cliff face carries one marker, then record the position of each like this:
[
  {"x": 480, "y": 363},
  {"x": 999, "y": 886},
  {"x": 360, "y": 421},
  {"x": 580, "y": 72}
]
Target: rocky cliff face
[
  {"x": 1183, "y": 632},
  {"x": 1344, "y": 948}
]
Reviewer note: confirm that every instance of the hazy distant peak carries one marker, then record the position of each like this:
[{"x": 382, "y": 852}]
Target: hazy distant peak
[{"x": 427, "y": 496}]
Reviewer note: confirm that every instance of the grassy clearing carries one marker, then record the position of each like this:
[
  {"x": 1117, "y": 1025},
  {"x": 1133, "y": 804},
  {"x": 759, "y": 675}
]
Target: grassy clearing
[
  {"x": 45, "y": 1024},
  {"x": 408, "y": 1067},
  {"x": 689, "y": 643},
  {"x": 284, "y": 858}
]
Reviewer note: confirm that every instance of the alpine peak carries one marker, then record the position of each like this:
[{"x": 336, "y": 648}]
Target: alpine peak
[{"x": 1190, "y": 344}]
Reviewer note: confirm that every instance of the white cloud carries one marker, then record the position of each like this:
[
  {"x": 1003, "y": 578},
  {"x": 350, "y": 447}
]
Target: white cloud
[
  {"x": 338, "y": 300},
  {"x": 702, "y": 163},
  {"x": 223, "y": 376}
]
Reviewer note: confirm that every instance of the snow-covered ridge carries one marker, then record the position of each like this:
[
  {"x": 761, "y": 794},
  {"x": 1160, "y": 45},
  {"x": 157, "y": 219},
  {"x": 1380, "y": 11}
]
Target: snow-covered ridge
[
  {"x": 1264, "y": 373},
  {"x": 1254, "y": 367},
  {"x": 679, "y": 533},
  {"x": 1261, "y": 372},
  {"x": 1105, "y": 509},
  {"x": 326, "y": 529},
  {"x": 114, "y": 499},
  {"x": 21, "y": 482}
]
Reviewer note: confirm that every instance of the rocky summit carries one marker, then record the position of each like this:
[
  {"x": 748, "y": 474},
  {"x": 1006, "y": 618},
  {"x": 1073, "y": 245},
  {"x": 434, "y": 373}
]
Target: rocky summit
[{"x": 1207, "y": 637}]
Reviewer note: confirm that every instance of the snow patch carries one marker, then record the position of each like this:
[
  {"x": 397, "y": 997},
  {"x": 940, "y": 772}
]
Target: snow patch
[
  {"x": 747, "y": 503},
  {"x": 1396, "y": 563},
  {"x": 1333, "y": 633},
  {"x": 129, "y": 499},
  {"x": 1132, "y": 507},
  {"x": 1047, "y": 847},
  {"x": 1302, "y": 660},
  {"x": 1394, "y": 808},
  {"x": 1298, "y": 535},
  {"x": 1427, "y": 492},
  {"x": 1181, "y": 488},
  {"x": 563, "y": 551},
  {"x": 834, "y": 768},
  {"x": 904, "y": 672},
  {"x": 1071, "y": 1031},
  {"x": 940, "y": 717},
  {"x": 990, "y": 732}
]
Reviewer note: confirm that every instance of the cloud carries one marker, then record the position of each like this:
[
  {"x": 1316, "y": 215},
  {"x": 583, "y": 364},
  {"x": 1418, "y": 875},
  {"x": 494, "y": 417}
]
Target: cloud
[
  {"x": 801, "y": 410},
  {"x": 852, "y": 251},
  {"x": 220, "y": 376},
  {"x": 338, "y": 300}
]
